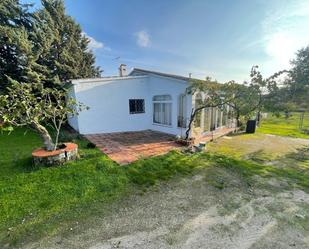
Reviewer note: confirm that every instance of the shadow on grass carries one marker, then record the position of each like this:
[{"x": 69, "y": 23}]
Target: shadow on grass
[
  {"x": 237, "y": 134},
  {"x": 24, "y": 165}
]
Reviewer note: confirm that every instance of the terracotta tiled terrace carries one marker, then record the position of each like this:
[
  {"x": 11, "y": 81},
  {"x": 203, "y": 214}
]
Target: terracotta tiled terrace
[{"x": 126, "y": 147}]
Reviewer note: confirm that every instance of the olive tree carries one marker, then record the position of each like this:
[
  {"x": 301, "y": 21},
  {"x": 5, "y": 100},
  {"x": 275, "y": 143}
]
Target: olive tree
[
  {"x": 38, "y": 107},
  {"x": 217, "y": 95}
]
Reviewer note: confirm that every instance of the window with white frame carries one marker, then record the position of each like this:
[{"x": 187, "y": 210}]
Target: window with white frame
[{"x": 162, "y": 109}]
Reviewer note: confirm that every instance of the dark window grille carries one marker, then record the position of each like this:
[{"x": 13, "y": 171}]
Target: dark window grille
[{"x": 137, "y": 106}]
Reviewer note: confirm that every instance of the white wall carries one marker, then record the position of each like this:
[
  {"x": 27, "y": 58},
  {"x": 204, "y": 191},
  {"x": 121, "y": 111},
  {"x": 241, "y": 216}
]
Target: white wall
[
  {"x": 73, "y": 121},
  {"x": 161, "y": 86},
  {"x": 109, "y": 104}
]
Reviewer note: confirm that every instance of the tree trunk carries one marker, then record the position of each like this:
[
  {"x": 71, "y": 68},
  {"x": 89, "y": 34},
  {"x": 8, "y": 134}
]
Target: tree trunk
[
  {"x": 237, "y": 120},
  {"x": 48, "y": 142},
  {"x": 193, "y": 112},
  {"x": 258, "y": 117}
]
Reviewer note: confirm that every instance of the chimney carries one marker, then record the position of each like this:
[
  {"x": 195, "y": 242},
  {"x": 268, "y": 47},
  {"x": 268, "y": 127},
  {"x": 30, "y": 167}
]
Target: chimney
[
  {"x": 190, "y": 75},
  {"x": 122, "y": 70}
]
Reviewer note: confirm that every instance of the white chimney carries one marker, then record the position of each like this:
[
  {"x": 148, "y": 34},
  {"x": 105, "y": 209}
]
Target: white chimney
[{"x": 122, "y": 70}]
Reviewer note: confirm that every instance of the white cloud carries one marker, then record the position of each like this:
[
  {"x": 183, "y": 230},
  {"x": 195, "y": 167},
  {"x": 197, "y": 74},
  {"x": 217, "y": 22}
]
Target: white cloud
[
  {"x": 94, "y": 44},
  {"x": 285, "y": 31},
  {"x": 142, "y": 38}
]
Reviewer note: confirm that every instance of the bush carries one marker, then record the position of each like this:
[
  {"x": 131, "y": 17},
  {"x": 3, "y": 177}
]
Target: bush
[{"x": 91, "y": 145}]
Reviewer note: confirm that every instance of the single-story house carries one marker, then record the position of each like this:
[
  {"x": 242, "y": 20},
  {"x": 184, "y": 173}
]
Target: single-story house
[{"x": 141, "y": 100}]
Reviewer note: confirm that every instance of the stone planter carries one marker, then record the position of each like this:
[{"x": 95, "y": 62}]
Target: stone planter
[{"x": 56, "y": 157}]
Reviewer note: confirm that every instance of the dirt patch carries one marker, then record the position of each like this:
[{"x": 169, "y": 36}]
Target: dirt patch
[
  {"x": 192, "y": 214},
  {"x": 214, "y": 208},
  {"x": 257, "y": 145}
]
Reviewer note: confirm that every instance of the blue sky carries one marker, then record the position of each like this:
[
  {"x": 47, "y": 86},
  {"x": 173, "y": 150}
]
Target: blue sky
[{"x": 221, "y": 39}]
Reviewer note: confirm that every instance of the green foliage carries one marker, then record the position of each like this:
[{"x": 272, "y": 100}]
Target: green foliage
[
  {"x": 45, "y": 46},
  {"x": 15, "y": 47},
  {"x": 36, "y": 106},
  {"x": 298, "y": 84},
  {"x": 292, "y": 92},
  {"x": 213, "y": 94},
  {"x": 268, "y": 91},
  {"x": 67, "y": 55}
]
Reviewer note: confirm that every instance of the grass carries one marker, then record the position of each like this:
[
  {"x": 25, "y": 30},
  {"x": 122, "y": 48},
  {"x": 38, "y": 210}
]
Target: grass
[
  {"x": 247, "y": 169},
  {"x": 31, "y": 197},
  {"x": 284, "y": 127},
  {"x": 36, "y": 202}
]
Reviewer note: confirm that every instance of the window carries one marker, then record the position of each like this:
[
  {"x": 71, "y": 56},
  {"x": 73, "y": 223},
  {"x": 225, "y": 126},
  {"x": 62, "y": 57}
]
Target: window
[
  {"x": 137, "y": 106},
  {"x": 198, "y": 116},
  {"x": 181, "y": 120},
  {"x": 162, "y": 109}
]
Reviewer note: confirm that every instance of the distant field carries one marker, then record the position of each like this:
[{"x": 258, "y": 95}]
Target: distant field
[{"x": 284, "y": 127}]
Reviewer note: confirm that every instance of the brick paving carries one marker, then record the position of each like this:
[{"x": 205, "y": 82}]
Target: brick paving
[
  {"x": 210, "y": 136},
  {"x": 127, "y": 147}
]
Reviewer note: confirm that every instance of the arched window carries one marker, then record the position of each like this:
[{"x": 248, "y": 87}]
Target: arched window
[
  {"x": 162, "y": 109},
  {"x": 162, "y": 98}
]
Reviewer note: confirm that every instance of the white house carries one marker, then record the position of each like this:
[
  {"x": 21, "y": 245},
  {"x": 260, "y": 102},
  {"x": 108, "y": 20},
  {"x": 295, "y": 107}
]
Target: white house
[{"x": 139, "y": 101}]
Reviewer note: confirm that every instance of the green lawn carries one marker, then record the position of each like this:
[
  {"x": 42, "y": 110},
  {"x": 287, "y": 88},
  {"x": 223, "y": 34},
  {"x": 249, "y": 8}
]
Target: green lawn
[
  {"x": 284, "y": 127},
  {"x": 36, "y": 202}
]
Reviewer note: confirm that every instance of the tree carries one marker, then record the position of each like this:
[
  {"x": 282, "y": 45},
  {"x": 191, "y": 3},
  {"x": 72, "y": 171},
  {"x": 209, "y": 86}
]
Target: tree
[
  {"x": 218, "y": 95},
  {"x": 247, "y": 102},
  {"x": 298, "y": 83},
  {"x": 45, "y": 46},
  {"x": 15, "y": 46},
  {"x": 244, "y": 99},
  {"x": 293, "y": 92},
  {"x": 35, "y": 106},
  {"x": 67, "y": 55},
  {"x": 271, "y": 96}
]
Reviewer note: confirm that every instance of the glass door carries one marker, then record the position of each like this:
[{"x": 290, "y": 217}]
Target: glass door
[
  {"x": 213, "y": 113},
  {"x": 207, "y": 118}
]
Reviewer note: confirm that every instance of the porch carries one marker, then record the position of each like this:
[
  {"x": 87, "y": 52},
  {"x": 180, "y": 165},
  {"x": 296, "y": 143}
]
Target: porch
[
  {"x": 213, "y": 135},
  {"x": 127, "y": 147},
  {"x": 211, "y": 122}
]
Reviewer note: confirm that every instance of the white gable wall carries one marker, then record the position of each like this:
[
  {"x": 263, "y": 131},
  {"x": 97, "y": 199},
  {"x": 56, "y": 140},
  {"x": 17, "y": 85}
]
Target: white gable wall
[{"x": 109, "y": 104}]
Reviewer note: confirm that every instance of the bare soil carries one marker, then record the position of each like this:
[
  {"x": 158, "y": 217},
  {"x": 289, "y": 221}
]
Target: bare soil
[{"x": 190, "y": 212}]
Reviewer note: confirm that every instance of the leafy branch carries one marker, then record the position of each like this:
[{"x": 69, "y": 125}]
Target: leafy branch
[{"x": 32, "y": 104}]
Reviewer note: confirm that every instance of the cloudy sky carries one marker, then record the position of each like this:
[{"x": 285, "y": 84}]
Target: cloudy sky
[{"x": 221, "y": 39}]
